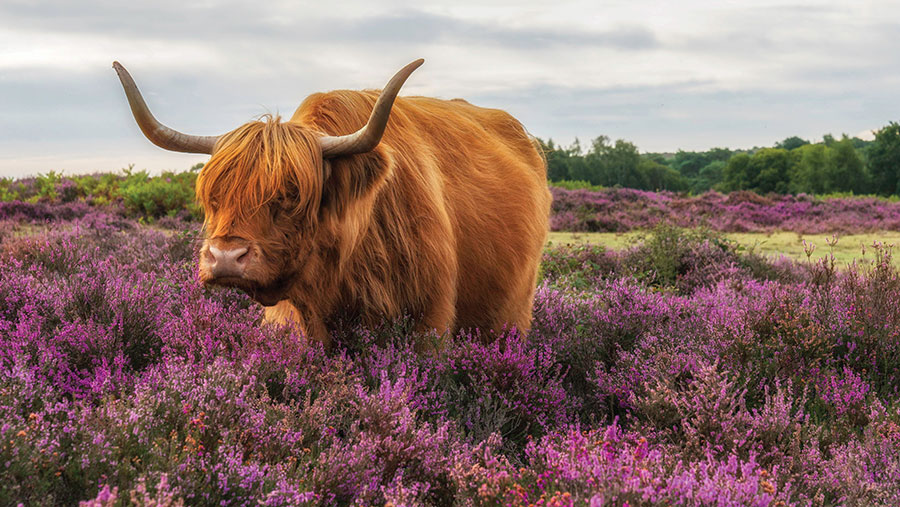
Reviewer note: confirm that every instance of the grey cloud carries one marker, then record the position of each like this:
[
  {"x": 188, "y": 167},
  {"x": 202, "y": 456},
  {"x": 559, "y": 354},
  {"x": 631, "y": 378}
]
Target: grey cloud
[
  {"x": 164, "y": 18},
  {"x": 236, "y": 24},
  {"x": 690, "y": 115},
  {"x": 54, "y": 106},
  {"x": 793, "y": 31},
  {"x": 424, "y": 27}
]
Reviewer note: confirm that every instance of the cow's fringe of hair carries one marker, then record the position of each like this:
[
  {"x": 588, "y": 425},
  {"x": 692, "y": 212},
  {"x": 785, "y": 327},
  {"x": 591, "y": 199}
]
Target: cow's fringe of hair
[{"x": 257, "y": 163}]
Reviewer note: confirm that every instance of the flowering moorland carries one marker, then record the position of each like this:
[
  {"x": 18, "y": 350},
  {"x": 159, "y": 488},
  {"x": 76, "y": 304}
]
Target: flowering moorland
[
  {"x": 138, "y": 195},
  {"x": 680, "y": 372},
  {"x": 625, "y": 209}
]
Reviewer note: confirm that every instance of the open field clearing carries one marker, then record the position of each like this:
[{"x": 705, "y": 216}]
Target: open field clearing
[{"x": 847, "y": 248}]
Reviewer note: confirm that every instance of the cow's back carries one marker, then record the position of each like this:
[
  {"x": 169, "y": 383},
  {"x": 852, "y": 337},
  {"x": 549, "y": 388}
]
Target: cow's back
[{"x": 495, "y": 186}]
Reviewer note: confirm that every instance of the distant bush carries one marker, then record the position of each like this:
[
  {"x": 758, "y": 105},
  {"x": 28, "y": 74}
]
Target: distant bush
[
  {"x": 850, "y": 195},
  {"x": 577, "y": 266},
  {"x": 166, "y": 195},
  {"x": 575, "y": 185},
  {"x": 684, "y": 259},
  {"x": 137, "y": 193}
]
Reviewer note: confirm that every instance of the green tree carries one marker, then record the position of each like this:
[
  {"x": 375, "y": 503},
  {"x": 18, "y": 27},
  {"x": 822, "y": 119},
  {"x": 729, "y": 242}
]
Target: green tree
[
  {"x": 884, "y": 160},
  {"x": 690, "y": 163},
  {"x": 736, "y": 174},
  {"x": 656, "y": 176},
  {"x": 659, "y": 158},
  {"x": 710, "y": 176},
  {"x": 614, "y": 164},
  {"x": 556, "y": 166},
  {"x": 844, "y": 169},
  {"x": 806, "y": 176},
  {"x": 792, "y": 143},
  {"x": 767, "y": 170},
  {"x": 772, "y": 168},
  {"x": 860, "y": 144}
]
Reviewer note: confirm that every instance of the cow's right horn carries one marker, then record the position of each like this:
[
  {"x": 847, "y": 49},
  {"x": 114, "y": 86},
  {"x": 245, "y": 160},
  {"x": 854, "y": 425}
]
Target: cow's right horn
[
  {"x": 367, "y": 138},
  {"x": 156, "y": 132}
]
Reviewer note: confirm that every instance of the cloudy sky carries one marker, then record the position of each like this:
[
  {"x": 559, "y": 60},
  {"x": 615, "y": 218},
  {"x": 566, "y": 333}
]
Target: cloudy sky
[{"x": 662, "y": 74}]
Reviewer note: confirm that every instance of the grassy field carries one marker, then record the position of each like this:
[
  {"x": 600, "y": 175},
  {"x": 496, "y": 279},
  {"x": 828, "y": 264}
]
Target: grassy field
[{"x": 791, "y": 244}]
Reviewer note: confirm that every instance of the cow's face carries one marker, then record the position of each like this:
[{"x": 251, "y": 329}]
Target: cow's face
[
  {"x": 263, "y": 187},
  {"x": 260, "y": 194}
]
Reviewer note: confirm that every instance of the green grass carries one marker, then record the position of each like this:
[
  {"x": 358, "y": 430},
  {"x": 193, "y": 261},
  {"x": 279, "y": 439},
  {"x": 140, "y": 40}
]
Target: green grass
[{"x": 790, "y": 244}]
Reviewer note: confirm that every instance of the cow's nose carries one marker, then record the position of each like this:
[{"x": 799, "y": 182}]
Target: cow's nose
[{"x": 223, "y": 263}]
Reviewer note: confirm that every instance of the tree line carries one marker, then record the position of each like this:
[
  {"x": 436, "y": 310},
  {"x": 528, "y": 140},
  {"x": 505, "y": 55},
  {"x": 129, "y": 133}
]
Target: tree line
[{"x": 794, "y": 165}]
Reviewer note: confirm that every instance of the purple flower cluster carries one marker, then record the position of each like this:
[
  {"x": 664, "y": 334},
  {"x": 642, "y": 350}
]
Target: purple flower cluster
[
  {"x": 619, "y": 210},
  {"x": 716, "y": 380}
]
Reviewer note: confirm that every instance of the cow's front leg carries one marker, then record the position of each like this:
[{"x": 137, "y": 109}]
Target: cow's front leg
[{"x": 313, "y": 328}]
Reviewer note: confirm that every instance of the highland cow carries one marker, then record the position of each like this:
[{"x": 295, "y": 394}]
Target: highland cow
[{"x": 339, "y": 215}]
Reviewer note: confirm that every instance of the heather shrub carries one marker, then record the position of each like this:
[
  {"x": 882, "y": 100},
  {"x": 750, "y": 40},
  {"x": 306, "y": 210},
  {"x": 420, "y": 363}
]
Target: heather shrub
[
  {"x": 623, "y": 209},
  {"x": 577, "y": 266},
  {"x": 699, "y": 379},
  {"x": 42, "y": 212},
  {"x": 783, "y": 339},
  {"x": 707, "y": 414},
  {"x": 505, "y": 387},
  {"x": 31, "y": 451},
  {"x": 84, "y": 337},
  {"x": 604, "y": 465},
  {"x": 870, "y": 337},
  {"x": 866, "y": 469},
  {"x": 385, "y": 445},
  {"x": 763, "y": 267},
  {"x": 591, "y": 331},
  {"x": 683, "y": 259},
  {"x": 607, "y": 465}
]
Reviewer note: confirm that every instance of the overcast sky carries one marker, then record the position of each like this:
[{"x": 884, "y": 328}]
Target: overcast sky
[{"x": 662, "y": 74}]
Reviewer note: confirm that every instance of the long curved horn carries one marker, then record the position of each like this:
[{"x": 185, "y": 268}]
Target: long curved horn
[
  {"x": 367, "y": 138},
  {"x": 156, "y": 132}
]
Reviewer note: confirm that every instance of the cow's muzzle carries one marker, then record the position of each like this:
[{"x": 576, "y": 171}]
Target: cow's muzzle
[
  {"x": 227, "y": 263},
  {"x": 238, "y": 263}
]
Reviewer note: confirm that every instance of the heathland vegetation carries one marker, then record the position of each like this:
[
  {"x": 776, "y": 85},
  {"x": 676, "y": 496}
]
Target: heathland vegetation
[
  {"x": 681, "y": 370},
  {"x": 682, "y": 367}
]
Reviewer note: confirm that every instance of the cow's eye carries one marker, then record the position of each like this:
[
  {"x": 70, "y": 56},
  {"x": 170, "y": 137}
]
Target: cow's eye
[{"x": 280, "y": 207}]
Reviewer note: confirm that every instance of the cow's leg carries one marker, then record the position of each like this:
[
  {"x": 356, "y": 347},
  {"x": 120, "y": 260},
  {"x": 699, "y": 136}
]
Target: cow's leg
[
  {"x": 439, "y": 319},
  {"x": 285, "y": 312}
]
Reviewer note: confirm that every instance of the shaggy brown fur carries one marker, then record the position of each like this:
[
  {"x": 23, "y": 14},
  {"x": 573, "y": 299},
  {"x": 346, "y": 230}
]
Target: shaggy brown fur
[{"x": 444, "y": 220}]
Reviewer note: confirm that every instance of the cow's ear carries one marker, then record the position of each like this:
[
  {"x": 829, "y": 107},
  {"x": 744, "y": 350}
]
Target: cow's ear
[{"x": 348, "y": 179}]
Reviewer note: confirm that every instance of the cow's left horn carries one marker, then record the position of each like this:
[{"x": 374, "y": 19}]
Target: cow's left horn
[
  {"x": 156, "y": 132},
  {"x": 367, "y": 138}
]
